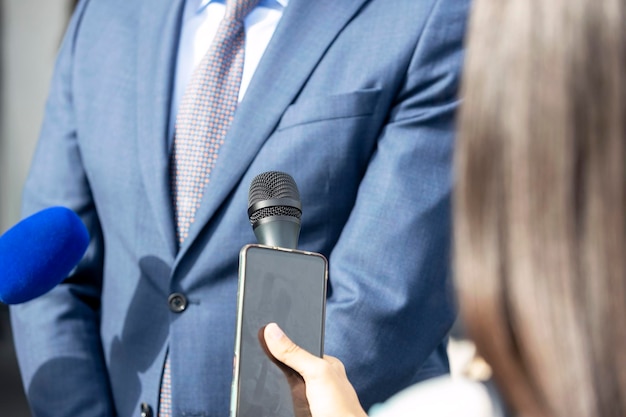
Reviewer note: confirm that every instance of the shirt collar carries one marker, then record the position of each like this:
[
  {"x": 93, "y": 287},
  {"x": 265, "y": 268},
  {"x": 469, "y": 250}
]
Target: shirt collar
[{"x": 198, "y": 5}]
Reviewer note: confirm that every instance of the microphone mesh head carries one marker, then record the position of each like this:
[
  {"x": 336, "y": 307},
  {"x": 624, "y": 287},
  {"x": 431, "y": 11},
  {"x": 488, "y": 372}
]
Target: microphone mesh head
[{"x": 272, "y": 185}]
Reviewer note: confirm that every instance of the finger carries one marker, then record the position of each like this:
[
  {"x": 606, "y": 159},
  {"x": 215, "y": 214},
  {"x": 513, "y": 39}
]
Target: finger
[
  {"x": 336, "y": 364},
  {"x": 287, "y": 351}
]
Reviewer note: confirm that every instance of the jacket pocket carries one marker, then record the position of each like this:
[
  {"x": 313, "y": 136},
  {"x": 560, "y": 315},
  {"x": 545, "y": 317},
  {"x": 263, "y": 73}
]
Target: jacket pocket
[{"x": 338, "y": 106}]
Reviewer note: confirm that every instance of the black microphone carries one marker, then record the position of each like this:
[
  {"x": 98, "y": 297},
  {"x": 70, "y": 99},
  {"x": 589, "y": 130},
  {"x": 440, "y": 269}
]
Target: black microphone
[
  {"x": 39, "y": 252},
  {"x": 275, "y": 210}
]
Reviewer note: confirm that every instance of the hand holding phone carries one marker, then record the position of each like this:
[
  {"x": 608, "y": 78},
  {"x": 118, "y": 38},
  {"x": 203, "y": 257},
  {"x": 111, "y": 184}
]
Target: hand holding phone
[{"x": 288, "y": 287}]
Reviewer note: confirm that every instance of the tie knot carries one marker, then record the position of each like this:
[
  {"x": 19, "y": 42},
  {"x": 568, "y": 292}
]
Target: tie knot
[{"x": 239, "y": 9}]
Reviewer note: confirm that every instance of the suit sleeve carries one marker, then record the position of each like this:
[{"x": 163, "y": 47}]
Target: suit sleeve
[
  {"x": 57, "y": 335},
  {"x": 390, "y": 304}
]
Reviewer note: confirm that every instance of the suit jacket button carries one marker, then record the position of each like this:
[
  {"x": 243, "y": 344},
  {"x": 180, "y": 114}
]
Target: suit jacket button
[
  {"x": 177, "y": 302},
  {"x": 146, "y": 411}
]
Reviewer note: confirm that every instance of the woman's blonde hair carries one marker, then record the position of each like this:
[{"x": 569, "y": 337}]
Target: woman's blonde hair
[{"x": 540, "y": 204}]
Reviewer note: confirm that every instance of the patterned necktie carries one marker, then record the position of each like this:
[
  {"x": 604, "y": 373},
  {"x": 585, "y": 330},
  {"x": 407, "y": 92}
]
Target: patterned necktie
[
  {"x": 204, "y": 117},
  {"x": 205, "y": 114}
]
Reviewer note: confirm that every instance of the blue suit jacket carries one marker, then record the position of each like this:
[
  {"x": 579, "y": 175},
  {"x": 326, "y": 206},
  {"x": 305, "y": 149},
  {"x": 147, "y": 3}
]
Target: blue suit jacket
[{"x": 354, "y": 98}]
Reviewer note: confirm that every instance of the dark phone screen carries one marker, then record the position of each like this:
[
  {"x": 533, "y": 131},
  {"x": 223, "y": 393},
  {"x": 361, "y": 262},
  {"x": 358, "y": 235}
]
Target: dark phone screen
[{"x": 286, "y": 287}]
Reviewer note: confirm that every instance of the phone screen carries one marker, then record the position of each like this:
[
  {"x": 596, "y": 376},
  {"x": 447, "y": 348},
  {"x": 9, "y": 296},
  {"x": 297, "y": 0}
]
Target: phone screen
[{"x": 287, "y": 287}]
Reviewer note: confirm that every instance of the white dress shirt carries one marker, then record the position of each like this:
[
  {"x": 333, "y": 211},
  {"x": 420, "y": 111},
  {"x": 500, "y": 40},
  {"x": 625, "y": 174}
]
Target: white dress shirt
[{"x": 201, "y": 19}]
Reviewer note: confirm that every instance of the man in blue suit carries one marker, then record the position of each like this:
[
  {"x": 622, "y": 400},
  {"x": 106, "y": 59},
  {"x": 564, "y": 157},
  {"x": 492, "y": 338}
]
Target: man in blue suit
[{"x": 354, "y": 98}]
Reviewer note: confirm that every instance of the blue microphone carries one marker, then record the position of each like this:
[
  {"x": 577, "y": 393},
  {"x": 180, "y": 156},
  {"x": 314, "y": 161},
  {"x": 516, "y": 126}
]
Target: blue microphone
[{"x": 39, "y": 252}]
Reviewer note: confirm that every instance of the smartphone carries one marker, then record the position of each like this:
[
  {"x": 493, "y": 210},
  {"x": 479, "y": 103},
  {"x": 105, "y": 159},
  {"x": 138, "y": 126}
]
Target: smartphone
[{"x": 287, "y": 287}]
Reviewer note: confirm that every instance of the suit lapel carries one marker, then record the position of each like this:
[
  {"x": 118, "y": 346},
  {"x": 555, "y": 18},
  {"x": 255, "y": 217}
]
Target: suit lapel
[
  {"x": 157, "y": 45},
  {"x": 304, "y": 33}
]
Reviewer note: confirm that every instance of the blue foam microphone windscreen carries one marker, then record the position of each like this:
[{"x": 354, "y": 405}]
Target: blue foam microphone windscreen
[{"x": 39, "y": 252}]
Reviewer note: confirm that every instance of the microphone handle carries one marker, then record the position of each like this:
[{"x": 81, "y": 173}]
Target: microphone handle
[{"x": 278, "y": 231}]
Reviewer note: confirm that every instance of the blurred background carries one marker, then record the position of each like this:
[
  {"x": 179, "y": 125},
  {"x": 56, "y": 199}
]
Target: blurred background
[{"x": 30, "y": 34}]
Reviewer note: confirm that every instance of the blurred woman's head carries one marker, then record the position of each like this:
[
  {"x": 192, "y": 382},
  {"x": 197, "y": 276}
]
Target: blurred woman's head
[{"x": 540, "y": 205}]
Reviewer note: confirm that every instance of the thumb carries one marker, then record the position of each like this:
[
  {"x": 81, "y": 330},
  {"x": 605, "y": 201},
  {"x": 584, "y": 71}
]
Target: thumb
[{"x": 287, "y": 352}]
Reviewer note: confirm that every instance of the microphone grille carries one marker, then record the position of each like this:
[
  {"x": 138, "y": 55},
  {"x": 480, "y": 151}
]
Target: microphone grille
[{"x": 273, "y": 185}]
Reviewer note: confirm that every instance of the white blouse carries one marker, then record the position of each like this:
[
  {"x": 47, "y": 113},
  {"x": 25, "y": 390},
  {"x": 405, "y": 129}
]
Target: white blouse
[{"x": 439, "y": 397}]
